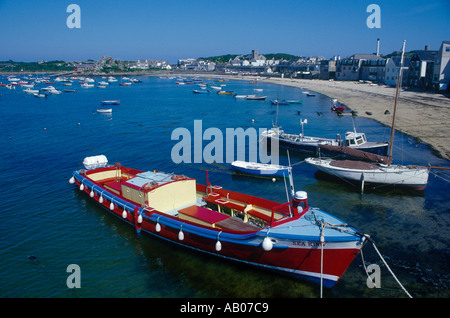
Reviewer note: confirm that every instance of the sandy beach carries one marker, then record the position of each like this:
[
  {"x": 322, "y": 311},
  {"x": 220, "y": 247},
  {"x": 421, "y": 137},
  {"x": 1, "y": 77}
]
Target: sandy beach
[{"x": 423, "y": 115}]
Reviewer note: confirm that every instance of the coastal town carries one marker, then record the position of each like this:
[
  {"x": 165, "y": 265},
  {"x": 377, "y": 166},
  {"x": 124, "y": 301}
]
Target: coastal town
[
  {"x": 425, "y": 78},
  {"x": 424, "y": 69}
]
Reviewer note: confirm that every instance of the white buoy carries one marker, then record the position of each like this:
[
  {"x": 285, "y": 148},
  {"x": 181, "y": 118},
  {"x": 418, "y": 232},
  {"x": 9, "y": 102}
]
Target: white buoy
[
  {"x": 124, "y": 213},
  {"x": 181, "y": 235},
  {"x": 92, "y": 193},
  {"x": 111, "y": 206},
  {"x": 72, "y": 180},
  {"x": 81, "y": 187},
  {"x": 100, "y": 199},
  {"x": 158, "y": 227},
  {"x": 267, "y": 244},
  {"x": 218, "y": 246},
  {"x": 139, "y": 218}
]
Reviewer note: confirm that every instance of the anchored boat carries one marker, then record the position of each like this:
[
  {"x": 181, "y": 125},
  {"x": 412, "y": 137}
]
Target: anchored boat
[
  {"x": 377, "y": 174},
  {"x": 110, "y": 102},
  {"x": 292, "y": 237},
  {"x": 260, "y": 169},
  {"x": 311, "y": 144}
]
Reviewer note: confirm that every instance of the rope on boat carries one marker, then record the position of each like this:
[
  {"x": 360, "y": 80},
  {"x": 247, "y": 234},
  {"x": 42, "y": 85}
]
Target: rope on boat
[
  {"x": 440, "y": 177},
  {"x": 385, "y": 263},
  {"x": 339, "y": 227},
  {"x": 322, "y": 243}
]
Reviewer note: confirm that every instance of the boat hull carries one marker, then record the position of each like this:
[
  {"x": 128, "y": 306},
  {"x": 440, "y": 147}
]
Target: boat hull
[
  {"x": 311, "y": 145},
  {"x": 402, "y": 176},
  {"x": 261, "y": 170},
  {"x": 297, "y": 255},
  {"x": 110, "y": 102}
]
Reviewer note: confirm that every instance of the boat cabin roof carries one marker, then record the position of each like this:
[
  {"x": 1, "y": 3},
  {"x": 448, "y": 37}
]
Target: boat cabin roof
[
  {"x": 354, "y": 138},
  {"x": 352, "y": 134},
  {"x": 150, "y": 176}
]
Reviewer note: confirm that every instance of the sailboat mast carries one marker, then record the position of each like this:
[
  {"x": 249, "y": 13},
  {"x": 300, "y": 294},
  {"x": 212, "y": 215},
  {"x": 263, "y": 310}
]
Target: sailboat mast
[
  {"x": 276, "y": 118},
  {"x": 399, "y": 82}
]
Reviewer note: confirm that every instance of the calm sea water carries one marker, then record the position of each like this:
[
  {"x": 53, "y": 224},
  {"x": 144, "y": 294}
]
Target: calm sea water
[{"x": 46, "y": 224}]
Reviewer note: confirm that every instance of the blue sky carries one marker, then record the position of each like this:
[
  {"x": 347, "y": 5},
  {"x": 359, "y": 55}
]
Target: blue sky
[{"x": 171, "y": 29}]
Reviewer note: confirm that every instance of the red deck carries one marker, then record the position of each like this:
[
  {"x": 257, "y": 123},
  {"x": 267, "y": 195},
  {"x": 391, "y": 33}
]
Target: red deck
[{"x": 203, "y": 214}]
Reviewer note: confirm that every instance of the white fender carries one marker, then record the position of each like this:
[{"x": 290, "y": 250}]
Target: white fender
[{"x": 267, "y": 244}]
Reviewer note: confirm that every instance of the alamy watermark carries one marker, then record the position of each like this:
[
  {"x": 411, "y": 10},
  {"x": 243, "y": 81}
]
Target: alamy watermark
[
  {"x": 374, "y": 19},
  {"x": 74, "y": 279},
  {"x": 74, "y": 19},
  {"x": 373, "y": 276},
  {"x": 219, "y": 149}
]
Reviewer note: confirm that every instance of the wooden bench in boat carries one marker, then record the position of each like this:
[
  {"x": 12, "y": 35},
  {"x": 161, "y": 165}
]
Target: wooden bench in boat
[
  {"x": 201, "y": 215},
  {"x": 214, "y": 219},
  {"x": 114, "y": 185},
  {"x": 236, "y": 224},
  {"x": 253, "y": 212}
]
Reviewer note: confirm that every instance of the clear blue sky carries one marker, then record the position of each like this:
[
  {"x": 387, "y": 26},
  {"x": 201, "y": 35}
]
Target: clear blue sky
[{"x": 34, "y": 30}]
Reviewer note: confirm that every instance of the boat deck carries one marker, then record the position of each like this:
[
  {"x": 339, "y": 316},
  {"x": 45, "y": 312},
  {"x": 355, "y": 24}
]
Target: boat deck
[
  {"x": 215, "y": 207},
  {"x": 351, "y": 164}
]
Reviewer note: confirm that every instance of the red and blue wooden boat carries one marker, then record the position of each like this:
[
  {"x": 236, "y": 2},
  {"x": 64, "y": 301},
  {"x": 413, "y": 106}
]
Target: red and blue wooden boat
[{"x": 291, "y": 238}]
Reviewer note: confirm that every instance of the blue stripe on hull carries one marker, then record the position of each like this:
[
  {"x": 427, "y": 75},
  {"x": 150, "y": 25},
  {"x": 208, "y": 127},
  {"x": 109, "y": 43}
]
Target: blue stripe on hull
[{"x": 277, "y": 173}]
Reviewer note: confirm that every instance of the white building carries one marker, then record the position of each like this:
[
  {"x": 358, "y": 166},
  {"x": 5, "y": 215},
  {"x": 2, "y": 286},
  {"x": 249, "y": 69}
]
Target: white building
[
  {"x": 393, "y": 68},
  {"x": 441, "y": 75}
]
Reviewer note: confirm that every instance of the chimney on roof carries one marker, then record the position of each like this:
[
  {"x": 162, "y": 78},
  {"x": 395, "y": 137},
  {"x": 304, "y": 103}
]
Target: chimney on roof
[
  {"x": 378, "y": 47},
  {"x": 427, "y": 47}
]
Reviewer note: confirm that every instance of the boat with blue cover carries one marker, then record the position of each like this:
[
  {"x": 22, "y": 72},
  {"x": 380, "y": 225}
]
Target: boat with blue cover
[
  {"x": 291, "y": 237},
  {"x": 261, "y": 169}
]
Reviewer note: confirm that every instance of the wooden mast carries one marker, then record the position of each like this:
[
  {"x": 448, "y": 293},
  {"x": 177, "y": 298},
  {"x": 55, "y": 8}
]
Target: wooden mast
[{"x": 399, "y": 82}]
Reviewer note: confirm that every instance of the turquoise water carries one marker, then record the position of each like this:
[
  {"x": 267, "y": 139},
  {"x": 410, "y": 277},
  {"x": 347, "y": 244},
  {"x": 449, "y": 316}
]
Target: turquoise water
[{"x": 46, "y": 224}]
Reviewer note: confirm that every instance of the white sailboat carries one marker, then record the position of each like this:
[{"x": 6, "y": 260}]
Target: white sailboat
[{"x": 415, "y": 177}]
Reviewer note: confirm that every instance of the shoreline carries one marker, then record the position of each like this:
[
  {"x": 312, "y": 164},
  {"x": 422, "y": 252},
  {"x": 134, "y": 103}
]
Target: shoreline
[{"x": 421, "y": 115}]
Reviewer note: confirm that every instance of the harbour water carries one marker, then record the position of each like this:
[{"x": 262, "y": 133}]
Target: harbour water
[{"x": 46, "y": 224}]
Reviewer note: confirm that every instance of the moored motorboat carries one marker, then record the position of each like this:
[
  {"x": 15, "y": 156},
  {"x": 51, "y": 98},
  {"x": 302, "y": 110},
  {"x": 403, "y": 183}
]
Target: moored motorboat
[
  {"x": 261, "y": 169},
  {"x": 240, "y": 96},
  {"x": 31, "y": 91},
  {"x": 225, "y": 92},
  {"x": 54, "y": 91},
  {"x": 104, "y": 110},
  {"x": 294, "y": 101},
  {"x": 338, "y": 108},
  {"x": 310, "y": 144},
  {"x": 110, "y": 102},
  {"x": 291, "y": 238},
  {"x": 48, "y": 88},
  {"x": 253, "y": 97}
]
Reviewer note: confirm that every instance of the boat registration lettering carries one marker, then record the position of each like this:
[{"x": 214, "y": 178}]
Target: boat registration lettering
[{"x": 306, "y": 244}]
